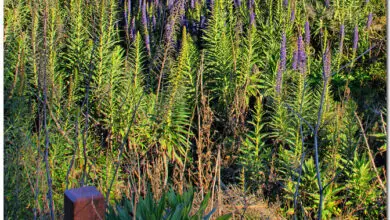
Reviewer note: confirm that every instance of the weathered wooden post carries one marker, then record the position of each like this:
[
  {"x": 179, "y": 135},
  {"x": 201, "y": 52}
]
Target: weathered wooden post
[{"x": 84, "y": 203}]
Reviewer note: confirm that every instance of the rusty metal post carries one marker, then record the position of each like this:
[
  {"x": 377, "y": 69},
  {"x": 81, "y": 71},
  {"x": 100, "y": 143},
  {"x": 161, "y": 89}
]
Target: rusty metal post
[{"x": 84, "y": 203}]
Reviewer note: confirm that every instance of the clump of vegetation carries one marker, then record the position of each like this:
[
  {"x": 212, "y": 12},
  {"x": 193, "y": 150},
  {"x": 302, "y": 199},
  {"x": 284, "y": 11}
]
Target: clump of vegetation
[
  {"x": 169, "y": 206},
  {"x": 142, "y": 99}
]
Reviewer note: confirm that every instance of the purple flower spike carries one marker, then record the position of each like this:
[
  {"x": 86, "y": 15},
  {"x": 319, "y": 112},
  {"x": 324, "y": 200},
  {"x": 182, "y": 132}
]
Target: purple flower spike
[
  {"x": 170, "y": 4},
  {"x": 144, "y": 16},
  {"x": 132, "y": 29},
  {"x": 285, "y": 3},
  {"x": 301, "y": 55},
  {"x": 237, "y": 3},
  {"x": 295, "y": 60},
  {"x": 355, "y": 38},
  {"x": 282, "y": 64},
  {"x": 251, "y": 3},
  {"x": 192, "y": 4},
  {"x": 145, "y": 25},
  {"x": 283, "y": 53},
  {"x": 369, "y": 20},
  {"x": 168, "y": 31},
  {"x": 326, "y": 63},
  {"x": 292, "y": 17},
  {"x": 327, "y": 3},
  {"x": 307, "y": 33},
  {"x": 252, "y": 18}
]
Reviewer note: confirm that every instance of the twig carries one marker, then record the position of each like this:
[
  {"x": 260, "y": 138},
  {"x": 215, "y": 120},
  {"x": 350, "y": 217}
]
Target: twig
[{"x": 370, "y": 155}]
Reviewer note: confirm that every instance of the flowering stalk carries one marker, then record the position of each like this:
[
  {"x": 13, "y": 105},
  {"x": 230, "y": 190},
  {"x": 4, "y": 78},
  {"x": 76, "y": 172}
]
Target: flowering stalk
[
  {"x": 282, "y": 64},
  {"x": 326, "y": 74},
  {"x": 145, "y": 25},
  {"x": 192, "y": 4},
  {"x": 307, "y": 33},
  {"x": 251, "y": 12},
  {"x": 301, "y": 55},
  {"x": 285, "y": 3},
  {"x": 292, "y": 17},
  {"x": 326, "y": 63},
  {"x": 237, "y": 3},
  {"x": 170, "y": 4},
  {"x": 295, "y": 60},
  {"x": 283, "y": 52},
  {"x": 369, "y": 20},
  {"x": 355, "y": 39},
  {"x": 132, "y": 29},
  {"x": 252, "y": 18},
  {"x": 342, "y": 34}
]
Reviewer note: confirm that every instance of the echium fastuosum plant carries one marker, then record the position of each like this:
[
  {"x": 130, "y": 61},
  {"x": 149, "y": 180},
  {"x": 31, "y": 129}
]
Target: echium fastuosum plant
[{"x": 173, "y": 140}]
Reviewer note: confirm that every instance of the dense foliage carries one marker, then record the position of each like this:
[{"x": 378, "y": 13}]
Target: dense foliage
[{"x": 282, "y": 98}]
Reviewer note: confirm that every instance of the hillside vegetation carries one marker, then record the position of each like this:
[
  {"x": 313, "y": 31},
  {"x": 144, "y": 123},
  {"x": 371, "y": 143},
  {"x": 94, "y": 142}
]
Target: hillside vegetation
[{"x": 206, "y": 107}]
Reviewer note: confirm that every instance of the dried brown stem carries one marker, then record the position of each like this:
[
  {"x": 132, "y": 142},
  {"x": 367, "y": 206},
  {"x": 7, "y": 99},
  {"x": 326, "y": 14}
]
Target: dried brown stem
[{"x": 370, "y": 154}]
